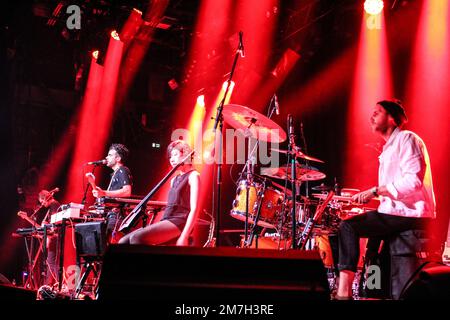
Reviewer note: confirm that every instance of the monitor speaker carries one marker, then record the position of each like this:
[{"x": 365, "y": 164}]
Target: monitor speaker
[
  {"x": 212, "y": 274},
  {"x": 13, "y": 293},
  {"x": 431, "y": 281},
  {"x": 90, "y": 239}
]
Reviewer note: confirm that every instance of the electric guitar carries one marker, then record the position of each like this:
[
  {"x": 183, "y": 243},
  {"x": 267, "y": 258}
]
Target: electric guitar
[{"x": 25, "y": 216}]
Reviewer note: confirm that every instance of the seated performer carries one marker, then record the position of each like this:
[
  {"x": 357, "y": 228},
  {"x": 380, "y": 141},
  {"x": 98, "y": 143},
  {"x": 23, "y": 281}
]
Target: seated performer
[
  {"x": 404, "y": 185},
  {"x": 182, "y": 209},
  {"x": 120, "y": 185}
]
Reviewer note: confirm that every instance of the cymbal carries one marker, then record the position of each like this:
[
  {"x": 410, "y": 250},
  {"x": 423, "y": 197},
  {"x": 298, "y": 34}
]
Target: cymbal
[
  {"x": 274, "y": 184},
  {"x": 299, "y": 154},
  {"x": 280, "y": 187},
  {"x": 303, "y": 173},
  {"x": 322, "y": 188},
  {"x": 253, "y": 122}
]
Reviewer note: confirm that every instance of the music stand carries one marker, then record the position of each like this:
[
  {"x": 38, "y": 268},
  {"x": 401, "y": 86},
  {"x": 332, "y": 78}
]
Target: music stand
[{"x": 91, "y": 242}]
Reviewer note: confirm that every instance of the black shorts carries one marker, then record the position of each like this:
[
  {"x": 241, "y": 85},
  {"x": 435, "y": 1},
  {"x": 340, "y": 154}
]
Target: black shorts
[{"x": 179, "y": 222}]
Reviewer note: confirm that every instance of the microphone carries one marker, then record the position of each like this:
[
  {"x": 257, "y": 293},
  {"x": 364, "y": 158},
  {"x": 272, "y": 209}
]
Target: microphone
[
  {"x": 98, "y": 162},
  {"x": 54, "y": 190},
  {"x": 291, "y": 135},
  {"x": 290, "y": 125},
  {"x": 241, "y": 45},
  {"x": 277, "y": 106}
]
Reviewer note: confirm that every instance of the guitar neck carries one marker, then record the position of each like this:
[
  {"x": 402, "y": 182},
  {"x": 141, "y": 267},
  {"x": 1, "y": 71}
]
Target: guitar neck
[
  {"x": 24, "y": 216},
  {"x": 91, "y": 180}
]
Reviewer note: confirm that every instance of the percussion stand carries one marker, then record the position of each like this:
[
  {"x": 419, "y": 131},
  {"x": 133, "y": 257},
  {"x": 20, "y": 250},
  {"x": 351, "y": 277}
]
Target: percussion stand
[
  {"x": 249, "y": 168},
  {"x": 250, "y": 164},
  {"x": 293, "y": 176},
  {"x": 306, "y": 160},
  {"x": 218, "y": 122},
  {"x": 260, "y": 198}
]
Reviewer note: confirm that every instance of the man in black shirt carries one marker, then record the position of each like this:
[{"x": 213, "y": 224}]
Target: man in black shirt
[{"x": 120, "y": 185}]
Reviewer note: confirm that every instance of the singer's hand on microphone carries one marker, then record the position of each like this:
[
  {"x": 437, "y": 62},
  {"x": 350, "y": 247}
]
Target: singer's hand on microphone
[{"x": 98, "y": 192}]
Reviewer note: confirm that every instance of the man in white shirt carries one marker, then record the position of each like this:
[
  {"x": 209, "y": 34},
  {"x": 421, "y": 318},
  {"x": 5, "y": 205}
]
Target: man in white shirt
[{"x": 405, "y": 189}]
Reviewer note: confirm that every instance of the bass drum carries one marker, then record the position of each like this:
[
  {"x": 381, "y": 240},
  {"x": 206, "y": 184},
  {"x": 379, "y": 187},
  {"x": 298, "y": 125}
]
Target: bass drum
[{"x": 268, "y": 242}]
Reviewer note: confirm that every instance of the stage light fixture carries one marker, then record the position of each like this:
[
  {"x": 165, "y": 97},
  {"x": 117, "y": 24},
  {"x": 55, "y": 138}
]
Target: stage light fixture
[
  {"x": 373, "y": 7},
  {"x": 115, "y": 35}
]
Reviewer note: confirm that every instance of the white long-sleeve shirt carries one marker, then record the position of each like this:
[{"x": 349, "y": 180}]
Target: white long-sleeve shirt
[{"x": 406, "y": 173}]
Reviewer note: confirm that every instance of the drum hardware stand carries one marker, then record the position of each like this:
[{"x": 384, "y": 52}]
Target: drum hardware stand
[
  {"x": 306, "y": 160},
  {"x": 306, "y": 233},
  {"x": 260, "y": 197},
  {"x": 293, "y": 176},
  {"x": 250, "y": 165},
  {"x": 249, "y": 168}
]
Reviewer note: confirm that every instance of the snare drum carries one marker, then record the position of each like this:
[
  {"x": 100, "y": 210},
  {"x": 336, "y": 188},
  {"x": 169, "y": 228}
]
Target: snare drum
[{"x": 270, "y": 204}]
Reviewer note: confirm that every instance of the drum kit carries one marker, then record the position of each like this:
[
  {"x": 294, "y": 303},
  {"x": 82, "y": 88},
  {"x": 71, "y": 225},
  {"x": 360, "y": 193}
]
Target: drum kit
[{"x": 262, "y": 202}]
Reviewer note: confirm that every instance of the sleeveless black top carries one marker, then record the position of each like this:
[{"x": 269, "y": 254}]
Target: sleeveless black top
[{"x": 179, "y": 200}]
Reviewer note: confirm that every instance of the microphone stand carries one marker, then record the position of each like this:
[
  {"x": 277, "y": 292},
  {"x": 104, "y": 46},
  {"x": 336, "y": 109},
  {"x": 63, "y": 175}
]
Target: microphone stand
[
  {"x": 131, "y": 220},
  {"x": 219, "y": 122},
  {"x": 249, "y": 168}
]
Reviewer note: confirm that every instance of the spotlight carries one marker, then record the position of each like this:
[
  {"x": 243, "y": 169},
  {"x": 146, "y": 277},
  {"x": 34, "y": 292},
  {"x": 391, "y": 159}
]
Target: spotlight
[
  {"x": 95, "y": 54},
  {"x": 373, "y": 7},
  {"x": 115, "y": 35},
  {"x": 201, "y": 101},
  {"x": 225, "y": 85},
  {"x": 173, "y": 84}
]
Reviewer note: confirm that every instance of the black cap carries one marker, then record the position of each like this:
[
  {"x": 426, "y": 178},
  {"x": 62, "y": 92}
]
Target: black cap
[{"x": 396, "y": 110}]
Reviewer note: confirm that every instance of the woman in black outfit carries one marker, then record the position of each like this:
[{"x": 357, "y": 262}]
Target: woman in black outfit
[{"x": 182, "y": 205}]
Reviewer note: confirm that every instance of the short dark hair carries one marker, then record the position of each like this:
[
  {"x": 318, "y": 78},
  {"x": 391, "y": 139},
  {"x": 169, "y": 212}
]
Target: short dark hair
[
  {"x": 121, "y": 150},
  {"x": 396, "y": 110},
  {"x": 180, "y": 145}
]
